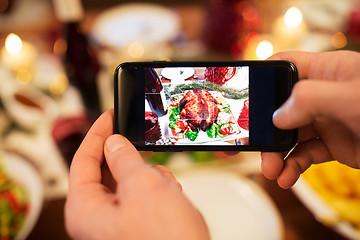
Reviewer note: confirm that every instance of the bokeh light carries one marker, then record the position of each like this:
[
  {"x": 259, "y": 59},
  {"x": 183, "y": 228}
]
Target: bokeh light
[
  {"x": 293, "y": 17},
  {"x": 59, "y": 84},
  {"x": 339, "y": 40},
  {"x": 136, "y": 50},
  {"x": 60, "y": 47},
  {"x": 13, "y": 44},
  {"x": 24, "y": 76},
  {"x": 264, "y": 50}
]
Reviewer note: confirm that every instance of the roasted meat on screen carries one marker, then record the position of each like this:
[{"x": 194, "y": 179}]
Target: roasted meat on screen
[{"x": 199, "y": 108}]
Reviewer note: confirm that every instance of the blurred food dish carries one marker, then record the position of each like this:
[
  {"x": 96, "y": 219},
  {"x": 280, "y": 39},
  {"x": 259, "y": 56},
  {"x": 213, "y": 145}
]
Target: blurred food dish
[
  {"x": 233, "y": 207},
  {"x": 27, "y": 105},
  {"x": 21, "y": 196},
  {"x": 38, "y": 148},
  {"x": 331, "y": 191}
]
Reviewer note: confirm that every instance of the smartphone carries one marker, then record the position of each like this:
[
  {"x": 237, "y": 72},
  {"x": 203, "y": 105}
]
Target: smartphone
[{"x": 203, "y": 106}]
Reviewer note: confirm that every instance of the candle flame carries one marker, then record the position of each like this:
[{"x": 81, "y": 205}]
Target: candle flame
[
  {"x": 293, "y": 17},
  {"x": 264, "y": 50},
  {"x": 13, "y": 44}
]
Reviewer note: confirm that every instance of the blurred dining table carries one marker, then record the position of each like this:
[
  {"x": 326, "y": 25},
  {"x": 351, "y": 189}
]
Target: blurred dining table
[{"x": 298, "y": 222}]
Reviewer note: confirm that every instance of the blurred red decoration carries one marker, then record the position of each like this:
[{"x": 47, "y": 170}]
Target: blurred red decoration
[
  {"x": 219, "y": 75},
  {"x": 354, "y": 24},
  {"x": 227, "y": 24},
  {"x": 68, "y": 134},
  {"x": 243, "y": 119}
]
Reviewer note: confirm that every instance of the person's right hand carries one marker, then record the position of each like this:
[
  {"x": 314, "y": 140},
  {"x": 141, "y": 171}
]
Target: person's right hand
[{"x": 325, "y": 106}]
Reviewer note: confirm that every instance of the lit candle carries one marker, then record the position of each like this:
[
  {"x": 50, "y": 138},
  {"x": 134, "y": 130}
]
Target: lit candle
[
  {"x": 289, "y": 29},
  {"x": 259, "y": 47},
  {"x": 17, "y": 54},
  {"x": 264, "y": 50}
]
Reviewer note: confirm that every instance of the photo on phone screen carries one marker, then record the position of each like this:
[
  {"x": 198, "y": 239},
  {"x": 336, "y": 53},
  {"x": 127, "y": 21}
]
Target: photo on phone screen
[
  {"x": 175, "y": 106},
  {"x": 197, "y": 105}
]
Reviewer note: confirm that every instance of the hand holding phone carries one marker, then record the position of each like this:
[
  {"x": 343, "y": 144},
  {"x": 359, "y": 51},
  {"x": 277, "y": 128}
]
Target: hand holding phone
[{"x": 202, "y": 106}]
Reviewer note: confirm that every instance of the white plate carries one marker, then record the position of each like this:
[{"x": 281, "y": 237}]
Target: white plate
[
  {"x": 23, "y": 173},
  {"x": 321, "y": 210},
  {"x": 177, "y": 73},
  {"x": 135, "y": 22},
  {"x": 233, "y": 207}
]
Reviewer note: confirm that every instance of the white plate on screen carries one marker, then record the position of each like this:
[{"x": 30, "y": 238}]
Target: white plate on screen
[
  {"x": 233, "y": 207},
  {"x": 177, "y": 73},
  {"x": 135, "y": 22}
]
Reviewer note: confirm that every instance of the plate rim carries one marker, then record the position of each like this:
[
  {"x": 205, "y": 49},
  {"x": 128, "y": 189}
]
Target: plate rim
[
  {"x": 250, "y": 184},
  {"x": 322, "y": 210}
]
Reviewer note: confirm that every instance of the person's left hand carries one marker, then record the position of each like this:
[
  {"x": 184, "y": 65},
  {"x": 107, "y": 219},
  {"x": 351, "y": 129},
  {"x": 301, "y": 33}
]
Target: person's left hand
[{"x": 147, "y": 203}]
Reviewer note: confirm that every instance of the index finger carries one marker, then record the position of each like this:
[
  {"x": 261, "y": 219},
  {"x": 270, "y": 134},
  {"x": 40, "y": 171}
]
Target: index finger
[
  {"x": 86, "y": 164},
  {"x": 302, "y": 61}
]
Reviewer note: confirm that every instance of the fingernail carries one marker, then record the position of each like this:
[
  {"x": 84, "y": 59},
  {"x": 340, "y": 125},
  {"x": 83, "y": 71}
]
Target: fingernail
[
  {"x": 280, "y": 116},
  {"x": 277, "y": 113},
  {"x": 114, "y": 143}
]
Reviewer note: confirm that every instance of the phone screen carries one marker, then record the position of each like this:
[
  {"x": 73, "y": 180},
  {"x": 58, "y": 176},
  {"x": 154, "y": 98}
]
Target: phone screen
[{"x": 203, "y": 106}]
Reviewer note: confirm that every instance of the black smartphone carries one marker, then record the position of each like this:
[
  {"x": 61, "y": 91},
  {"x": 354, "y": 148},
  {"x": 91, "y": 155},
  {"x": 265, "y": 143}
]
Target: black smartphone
[{"x": 203, "y": 106}]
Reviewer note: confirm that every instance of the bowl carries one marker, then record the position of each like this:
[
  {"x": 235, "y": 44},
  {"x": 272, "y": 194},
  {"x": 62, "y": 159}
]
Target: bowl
[
  {"x": 21, "y": 172},
  {"x": 27, "y": 105}
]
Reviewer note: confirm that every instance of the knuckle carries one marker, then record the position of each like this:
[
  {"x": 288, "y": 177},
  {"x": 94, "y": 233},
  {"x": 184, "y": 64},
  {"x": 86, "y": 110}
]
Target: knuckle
[
  {"x": 299, "y": 89},
  {"x": 301, "y": 92},
  {"x": 150, "y": 178}
]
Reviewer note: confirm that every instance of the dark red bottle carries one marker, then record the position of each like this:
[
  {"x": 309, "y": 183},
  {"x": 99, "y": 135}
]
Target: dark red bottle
[
  {"x": 80, "y": 61},
  {"x": 227, "y": 24},
  {"x": 82, "y": 68}
]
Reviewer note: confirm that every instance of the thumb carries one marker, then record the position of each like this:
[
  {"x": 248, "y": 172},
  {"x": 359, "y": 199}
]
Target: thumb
[
  {"x": 121, "y": 156},
  {"x": 311, "y": 99}
]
